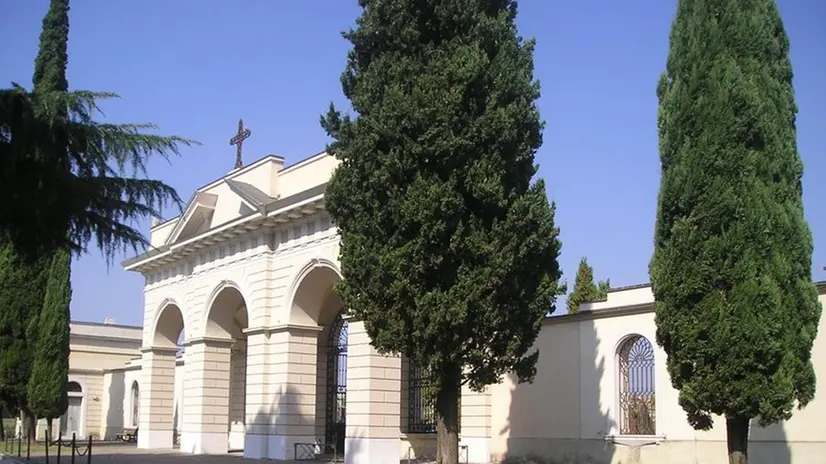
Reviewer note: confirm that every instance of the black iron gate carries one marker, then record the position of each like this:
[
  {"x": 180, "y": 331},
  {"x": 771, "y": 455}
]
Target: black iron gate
[{"x": 336, "y": 384}]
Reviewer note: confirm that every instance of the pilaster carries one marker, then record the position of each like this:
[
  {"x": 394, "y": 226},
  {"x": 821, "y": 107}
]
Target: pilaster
[
  {"x": 157, "y": 398},
  {"x": 281, "y": 390},
  {"x": 206, "y": 388},
  {"x": 475, "y": 420},
  {"x": 373, "y": 402}
]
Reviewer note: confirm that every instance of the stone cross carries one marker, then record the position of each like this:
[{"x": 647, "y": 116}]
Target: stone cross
[{"x": 238, "y": 141}]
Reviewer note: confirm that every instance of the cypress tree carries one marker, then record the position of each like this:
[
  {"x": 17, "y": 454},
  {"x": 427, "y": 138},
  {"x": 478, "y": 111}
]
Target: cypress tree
[
  {"x": 50, "y": 369},
  {"x": 585, "y": 290},
  {"x": 736, "y": 309},
  {"x": 448, "y": 249},
  {"x": 22, "y": 288},
  {"x": 47, "y": 396}
]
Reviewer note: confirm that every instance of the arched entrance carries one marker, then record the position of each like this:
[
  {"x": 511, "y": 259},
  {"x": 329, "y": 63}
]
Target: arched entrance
[
  {"x": 336, "y": 400},
  {"x": 315, "y": 305},
  {"x": 71, "y": 422},
  {"x": 218, "y": 369},
  {"x": 158, "y": 377}
]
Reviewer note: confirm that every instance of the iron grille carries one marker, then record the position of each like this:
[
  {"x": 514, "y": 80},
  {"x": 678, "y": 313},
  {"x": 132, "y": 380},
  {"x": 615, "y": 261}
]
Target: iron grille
[
  {"x": 421, "y": 401},
  {"x": 636, "y": 389},
  {"x": 336, "y": 403}
]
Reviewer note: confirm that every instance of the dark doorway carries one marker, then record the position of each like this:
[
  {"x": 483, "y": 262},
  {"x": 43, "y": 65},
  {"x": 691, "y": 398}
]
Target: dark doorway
[{"x": 336, "y": 384}]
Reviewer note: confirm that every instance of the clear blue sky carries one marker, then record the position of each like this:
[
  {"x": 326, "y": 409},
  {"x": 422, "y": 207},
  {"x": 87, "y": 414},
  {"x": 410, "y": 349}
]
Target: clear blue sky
[{"x": 194, "y": 67}]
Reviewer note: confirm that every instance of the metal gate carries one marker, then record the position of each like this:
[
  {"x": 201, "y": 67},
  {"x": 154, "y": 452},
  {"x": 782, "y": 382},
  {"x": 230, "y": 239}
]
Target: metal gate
[{"x": 336, "y": 384}]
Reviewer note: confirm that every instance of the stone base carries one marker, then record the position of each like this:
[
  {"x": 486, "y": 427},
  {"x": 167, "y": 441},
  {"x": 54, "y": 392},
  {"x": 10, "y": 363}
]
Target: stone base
[
  {"x": 255, "y": 446},
  {"x": 372, "y": 450},
  {"x": 203, "y": 443},
  {"x": 236, "y": 440},
  {"x": 155, "y": 439},
  {"x": 478, "y": 449},
  {"x": 280, "y": 447}
]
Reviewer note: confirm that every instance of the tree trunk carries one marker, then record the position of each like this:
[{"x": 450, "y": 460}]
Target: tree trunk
[
  {"x": 737, "y": 431},
  {"x": 447, "y": 410}
]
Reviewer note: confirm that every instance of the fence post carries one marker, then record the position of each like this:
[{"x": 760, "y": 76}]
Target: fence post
[
  {"x": 74, "y": 446},
  {"x": 89, "y": 451}
]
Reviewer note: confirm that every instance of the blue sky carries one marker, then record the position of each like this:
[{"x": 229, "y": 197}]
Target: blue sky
[{"x": 194, "y": 67}]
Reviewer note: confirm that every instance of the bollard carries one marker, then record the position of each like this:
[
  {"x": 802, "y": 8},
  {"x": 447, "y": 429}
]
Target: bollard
[
  {"x": 28, "y": 447},
  {"x": 89, "y": 451},
  {"x": 48, "y": 439},
  {"x": 20, "y": 444},
  {"x": 59, "y": 444},
  {"x": 74, "y": 446}
]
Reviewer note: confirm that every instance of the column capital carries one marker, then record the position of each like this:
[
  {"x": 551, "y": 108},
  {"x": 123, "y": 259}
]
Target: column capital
[
  {"x": 210, "y": 341},
  {"x": 154, "y": 349},
  {"x": 269, "y": 330}
]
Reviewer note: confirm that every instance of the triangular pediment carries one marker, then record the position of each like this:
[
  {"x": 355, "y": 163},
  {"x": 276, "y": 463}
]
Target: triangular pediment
[{"x": 196, "y": 218}]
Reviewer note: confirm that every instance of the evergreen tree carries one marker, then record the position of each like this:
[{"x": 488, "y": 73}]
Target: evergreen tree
[
  {"x": 736, "y": 309},
  {"x": 50, "y": 370},
  {"x": 585, "y": 290},
  {"x": 448, "y": 250},
  {"x": 22, "y": 287},
  {"x": 49, "y": 330},
  {"x": 64, "y": 175}
]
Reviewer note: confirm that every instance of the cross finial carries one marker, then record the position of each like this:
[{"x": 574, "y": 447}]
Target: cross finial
[{"x": 238, "y": 141}]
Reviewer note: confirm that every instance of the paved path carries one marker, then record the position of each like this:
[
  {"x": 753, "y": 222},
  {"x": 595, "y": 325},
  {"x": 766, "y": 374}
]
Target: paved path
[{"x": 125, "y": 454}]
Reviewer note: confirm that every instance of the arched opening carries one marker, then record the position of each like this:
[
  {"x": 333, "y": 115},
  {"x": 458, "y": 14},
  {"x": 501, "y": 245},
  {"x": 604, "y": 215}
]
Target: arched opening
[
  {"x": 71, "y": 422},
  {"x": 227, "y": 320},
  {"x": 169, "y": 333},
  {"x": 636, "y": 392},
  {"x": 316, "y": 304},
  {"x": 135, "y": 410}
]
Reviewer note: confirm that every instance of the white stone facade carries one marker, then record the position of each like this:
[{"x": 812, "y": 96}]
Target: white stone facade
[{"x": 243, "y": 279}]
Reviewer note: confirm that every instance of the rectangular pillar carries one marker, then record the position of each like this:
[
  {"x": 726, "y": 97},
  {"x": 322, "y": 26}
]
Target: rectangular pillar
[
  {"x": 206, "y": 392},
  {"x": 258, "y": 415},
  {"x": 157, "y": 402},
  {"x": 475, "y": 429},
  {"x": 373, "y": 402},
  {"x": 293, "y": 389}
]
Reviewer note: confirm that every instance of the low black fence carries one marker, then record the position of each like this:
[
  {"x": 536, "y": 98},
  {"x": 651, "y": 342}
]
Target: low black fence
[{"x": 55, "y": 450}]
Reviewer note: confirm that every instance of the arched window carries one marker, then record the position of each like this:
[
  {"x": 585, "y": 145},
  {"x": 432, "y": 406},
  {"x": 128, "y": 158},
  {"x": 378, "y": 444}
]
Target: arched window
[
  {"x": 74, "y": 387},
  {"x": 637, "y": 402},
  {"x": 136, "y": 402}
]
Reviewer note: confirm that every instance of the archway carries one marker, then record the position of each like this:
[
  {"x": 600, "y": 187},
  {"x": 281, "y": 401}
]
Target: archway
[
  {"x": 315, "y": 303},
  {"x": 227, "y": 319},
  {"x": 158, "y": 392},
  {"x": 71, "y": 422}
]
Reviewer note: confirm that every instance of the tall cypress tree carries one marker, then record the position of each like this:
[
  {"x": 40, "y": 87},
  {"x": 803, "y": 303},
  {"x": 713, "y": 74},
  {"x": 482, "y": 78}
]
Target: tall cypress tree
[
  {"x": 47, "y": 397},
  {"x": 448, "y": 249},
  {"x": 736, "y": 309}
]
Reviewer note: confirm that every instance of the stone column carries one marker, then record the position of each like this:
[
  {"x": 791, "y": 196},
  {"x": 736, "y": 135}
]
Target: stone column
[
  {"x": 475, "y": 429},
  {"x": 292, "y": 371},
  {"x": 157, "y": 403},
  {"x": 206, "y": 392},
  {"x": 258, "y": 422},
  {"x": 373, "y": 397}
]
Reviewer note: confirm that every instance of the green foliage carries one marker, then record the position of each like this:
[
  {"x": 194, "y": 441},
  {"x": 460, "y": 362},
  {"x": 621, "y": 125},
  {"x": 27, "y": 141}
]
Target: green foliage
[
  {"x": 449, "y": 252},
  {"x": 22, "y": 287},
  {"x": 585, "y": 290},
  {"x": 736, "y": 309},
  {"x": 50, "y": 369},
  {"x": 98, "y": 197},
  {"x": 52, "y": 56}
]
